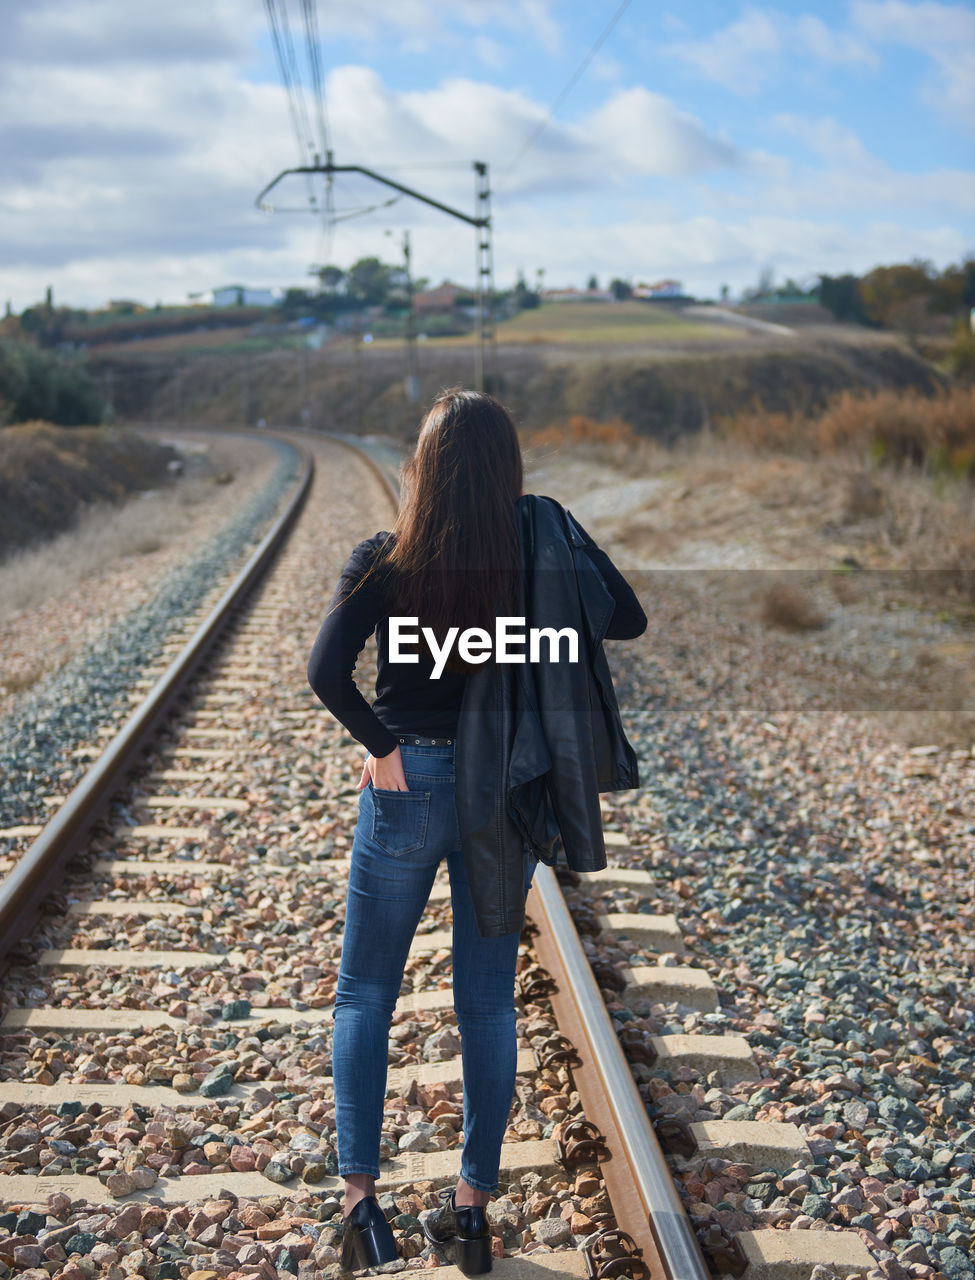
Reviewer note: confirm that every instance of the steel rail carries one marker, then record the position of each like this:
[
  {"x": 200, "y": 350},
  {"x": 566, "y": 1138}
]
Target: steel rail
[
  {"x": 39, "y": 871},
  {"x": 615, "y": 1101},
  {"x": 641, "y": 1189}
]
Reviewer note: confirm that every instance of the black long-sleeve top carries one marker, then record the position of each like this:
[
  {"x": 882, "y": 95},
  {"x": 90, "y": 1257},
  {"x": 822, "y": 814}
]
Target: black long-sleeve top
[{"x": 407, "y": 700}]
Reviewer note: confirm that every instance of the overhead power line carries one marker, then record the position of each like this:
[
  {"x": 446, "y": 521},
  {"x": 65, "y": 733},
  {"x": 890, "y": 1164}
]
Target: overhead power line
[
  {"x": 284, "y": 73},
  {"x": 310, "y": 13},
  {"x": 308, "y": 135},
  {"x": 573, "y": 81}
]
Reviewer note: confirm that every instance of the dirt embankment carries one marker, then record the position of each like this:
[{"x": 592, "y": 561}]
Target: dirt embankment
[
  {"x": 819, "y": 582},
  {"x": 49, "y": 475},
  {"x": 661, "y": 395}
]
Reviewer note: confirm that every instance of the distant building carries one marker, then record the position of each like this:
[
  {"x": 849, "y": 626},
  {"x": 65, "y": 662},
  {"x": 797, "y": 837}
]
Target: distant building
[
  {"x": 238, "y": 295},
  {"x": 443, "y": 298},
  {"x": 662, "y": 289}
]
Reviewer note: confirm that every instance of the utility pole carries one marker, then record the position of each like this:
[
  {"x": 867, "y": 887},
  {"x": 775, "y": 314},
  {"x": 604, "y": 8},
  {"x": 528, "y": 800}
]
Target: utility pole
[
  {"x": 412, "y": 382},
  {"x": 303, "y": 384},
  {"x": 481, "y": 222},
  {"x": 485, "y": 352},
  {"x": 357, "y": 340}
]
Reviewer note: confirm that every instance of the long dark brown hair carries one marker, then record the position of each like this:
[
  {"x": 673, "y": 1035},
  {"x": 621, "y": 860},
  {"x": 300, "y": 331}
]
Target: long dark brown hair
[{"x": 455, "y": 555}]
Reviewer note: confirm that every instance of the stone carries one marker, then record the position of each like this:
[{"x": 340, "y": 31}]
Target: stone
[
  {"x": 441, "y": 1046},
  {"x": 82, "y": 1242},
  {"x": 218, "y": 1082},
  {"x": 243, "y": 1158},
  {"x": 120, "y": 1184},
  {"x": 816, "y": 1206},
  {"x": 235, "y": 1009},
  {"x": 552, "y": 1231}
]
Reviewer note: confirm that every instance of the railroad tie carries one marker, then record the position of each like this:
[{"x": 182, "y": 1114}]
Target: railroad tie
[
  {"x": 729, "y": 1057},
  {"x": 129, "y": 907},
  {"x": 656, "y": 933},
  {"x": 669, "y": 984},
  {"x": 157, "y": 1093},
  {"x": 46, "y": 1018},
  {"x": 162, "y": 831},
  {"x": 792, "y": 1255},
  {"x": 125, "y": 958},
  {"x": 163, "y": 866},
  {"x": 206, "y": 870},
  {"x": 187, "y": 775},
  {"x": 618, "y": 877},
  {"x": 438, "y": 1167},
  {"x": 230, "y": 804},
  {"x": 765, "y": 1144}
]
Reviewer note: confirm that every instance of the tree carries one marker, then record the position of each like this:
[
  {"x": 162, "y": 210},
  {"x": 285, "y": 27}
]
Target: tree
[
  {"x": 36, "y": 384},
  {"x": 884, "y": 290},
  {"x": 329, "y": 278},
  {"x": 620, "y": 289},
  {"x": 368, "y": 281},
  {"x": 841, "y": 296},
  {"x": 525, "y": 298},
  {"x": 954, "y": 289},
  {"x": 593, "y": 284}
]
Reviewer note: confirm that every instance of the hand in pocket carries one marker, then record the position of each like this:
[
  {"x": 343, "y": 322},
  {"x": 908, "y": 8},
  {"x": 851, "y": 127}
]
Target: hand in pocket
[{"x": 386, "y": 772}]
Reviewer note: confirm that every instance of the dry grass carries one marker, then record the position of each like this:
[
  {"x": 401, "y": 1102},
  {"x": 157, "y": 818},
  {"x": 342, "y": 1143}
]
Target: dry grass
[
  {"x": 48, "y": 474},
  {"x": 935, "y": 432},
  {"x": 103, "y": 536},
  {"x": 612, "y": 442}
]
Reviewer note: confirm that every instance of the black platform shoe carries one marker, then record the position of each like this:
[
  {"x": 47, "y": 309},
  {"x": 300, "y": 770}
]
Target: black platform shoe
[
  {"x": 367, "y": 1238},
  {"x": 466, "y": 1228}
]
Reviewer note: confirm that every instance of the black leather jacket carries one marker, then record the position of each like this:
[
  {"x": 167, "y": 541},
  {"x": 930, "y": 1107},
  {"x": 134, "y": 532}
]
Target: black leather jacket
[{"x": 537, "y": 742}]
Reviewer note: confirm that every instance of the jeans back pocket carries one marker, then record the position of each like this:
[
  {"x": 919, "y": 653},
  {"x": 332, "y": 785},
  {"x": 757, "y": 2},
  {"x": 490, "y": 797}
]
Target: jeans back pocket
[{"x": 399, "y": 820}]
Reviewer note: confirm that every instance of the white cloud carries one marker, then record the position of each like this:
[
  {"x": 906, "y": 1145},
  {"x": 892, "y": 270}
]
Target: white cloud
[
  {"x": 489, "y": 53},
  {"x": 424, "y": 24},
  {"x": 651, "y": 135},
  {"x": 118, "y": 31},
  {"x": 131, "y": 163},
  {"x": 852, "y": 180},
  {"x": 945, "y": 33},
  {"x": 750, "y": 51},
  {"x": 739, "y": 56}
]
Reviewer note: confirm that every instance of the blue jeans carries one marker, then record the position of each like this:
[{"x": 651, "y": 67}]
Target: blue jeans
[{"x": 399, "y": 840}]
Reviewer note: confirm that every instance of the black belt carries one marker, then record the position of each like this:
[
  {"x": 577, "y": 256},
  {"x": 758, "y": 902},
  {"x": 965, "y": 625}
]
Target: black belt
[{"x": 414, "y": 741}]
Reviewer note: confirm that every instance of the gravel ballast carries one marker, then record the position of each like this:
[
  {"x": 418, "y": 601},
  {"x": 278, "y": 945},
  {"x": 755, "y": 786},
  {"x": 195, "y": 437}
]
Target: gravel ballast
[{"x": 90, "y": 691}]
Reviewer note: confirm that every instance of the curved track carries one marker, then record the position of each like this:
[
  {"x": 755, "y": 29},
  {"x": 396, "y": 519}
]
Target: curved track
[{"x": 208, "y": 937}]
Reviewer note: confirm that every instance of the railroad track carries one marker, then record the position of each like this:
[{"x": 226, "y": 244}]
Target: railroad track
[{"x": 165, "y": 1108}]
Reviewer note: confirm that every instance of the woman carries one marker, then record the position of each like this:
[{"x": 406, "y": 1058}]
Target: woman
[{"x": 452, "y": 559}]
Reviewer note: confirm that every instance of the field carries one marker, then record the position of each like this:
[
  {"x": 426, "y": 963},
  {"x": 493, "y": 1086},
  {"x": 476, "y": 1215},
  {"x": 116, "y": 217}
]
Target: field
[
  {"x": 611, "y": 324},
  {"x": 626, "y": 327}
]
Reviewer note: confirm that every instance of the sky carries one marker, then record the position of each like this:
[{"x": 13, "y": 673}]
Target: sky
[{"x": 705, "y": 141}]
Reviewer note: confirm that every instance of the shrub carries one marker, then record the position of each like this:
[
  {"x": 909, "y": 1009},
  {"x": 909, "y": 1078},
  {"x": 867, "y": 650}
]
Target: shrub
[
  {"x": 36, "y": 384},
  {"x": 790, "y": 609},
  {"x": 578, "y": 429},
  {"x": 894, "y": 427},
  {"x": 961, "y": 352}
]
